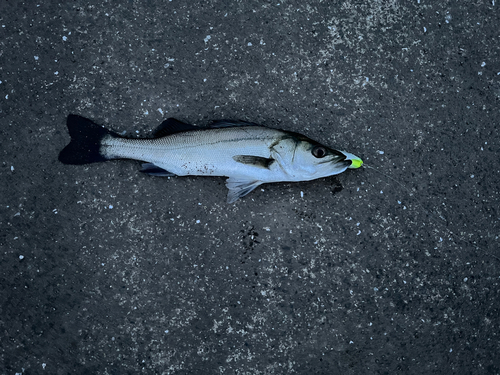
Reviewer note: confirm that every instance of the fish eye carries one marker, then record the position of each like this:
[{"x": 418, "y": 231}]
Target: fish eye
[{"x": 319, "y": 152}]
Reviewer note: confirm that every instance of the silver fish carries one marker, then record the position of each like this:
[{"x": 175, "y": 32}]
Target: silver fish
[{"x": 249, "y": 154}]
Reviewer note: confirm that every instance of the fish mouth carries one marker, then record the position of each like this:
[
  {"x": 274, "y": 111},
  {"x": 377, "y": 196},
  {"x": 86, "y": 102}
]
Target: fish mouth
[{"x": 355, "y": 161}]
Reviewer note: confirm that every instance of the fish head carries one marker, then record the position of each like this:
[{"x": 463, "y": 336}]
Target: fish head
[{"x": 303, "y": 159}]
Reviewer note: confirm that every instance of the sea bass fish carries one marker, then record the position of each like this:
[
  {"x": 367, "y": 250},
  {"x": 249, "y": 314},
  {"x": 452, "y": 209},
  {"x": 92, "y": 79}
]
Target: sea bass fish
[{"x": 249, "y": 154}]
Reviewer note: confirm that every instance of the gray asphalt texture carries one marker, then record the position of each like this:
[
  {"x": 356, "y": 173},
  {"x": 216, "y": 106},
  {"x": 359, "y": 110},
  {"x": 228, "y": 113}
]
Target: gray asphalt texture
[{"x": 105, "y": 270}]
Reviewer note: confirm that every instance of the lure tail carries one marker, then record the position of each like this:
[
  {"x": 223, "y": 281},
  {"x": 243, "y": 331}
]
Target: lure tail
[{"x": 86, "y": 139}]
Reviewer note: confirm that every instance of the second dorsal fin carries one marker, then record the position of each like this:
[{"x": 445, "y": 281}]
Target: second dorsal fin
[
  {"x": 230, "y": 123},
  {"x": 172, "y": 126}
]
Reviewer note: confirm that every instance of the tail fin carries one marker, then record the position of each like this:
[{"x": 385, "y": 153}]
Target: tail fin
[{"x": 85, "y": 143}]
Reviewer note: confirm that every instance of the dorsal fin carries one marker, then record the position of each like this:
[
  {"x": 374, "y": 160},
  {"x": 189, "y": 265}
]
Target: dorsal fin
[
  {"x": 172, "y": 126},
  {"x": 230, "y": 123}
]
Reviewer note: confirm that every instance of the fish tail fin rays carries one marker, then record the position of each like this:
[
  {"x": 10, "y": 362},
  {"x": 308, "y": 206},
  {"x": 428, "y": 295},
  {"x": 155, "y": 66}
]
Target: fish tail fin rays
[
  {"x": 239, "y": 187},
  {"x": 86, "y": 137}
]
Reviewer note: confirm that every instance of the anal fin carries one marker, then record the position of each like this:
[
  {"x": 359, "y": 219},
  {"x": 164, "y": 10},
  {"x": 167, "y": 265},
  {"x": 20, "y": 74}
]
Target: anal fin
[{"x": 154, "y": 170}]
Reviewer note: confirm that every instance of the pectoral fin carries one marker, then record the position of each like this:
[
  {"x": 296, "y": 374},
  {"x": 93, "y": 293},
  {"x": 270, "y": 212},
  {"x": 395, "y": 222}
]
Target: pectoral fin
[
  {"x": 154, "y": 170},
  {"x": 239, "y": 188},
  {"x": 256, "y": 161}
]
